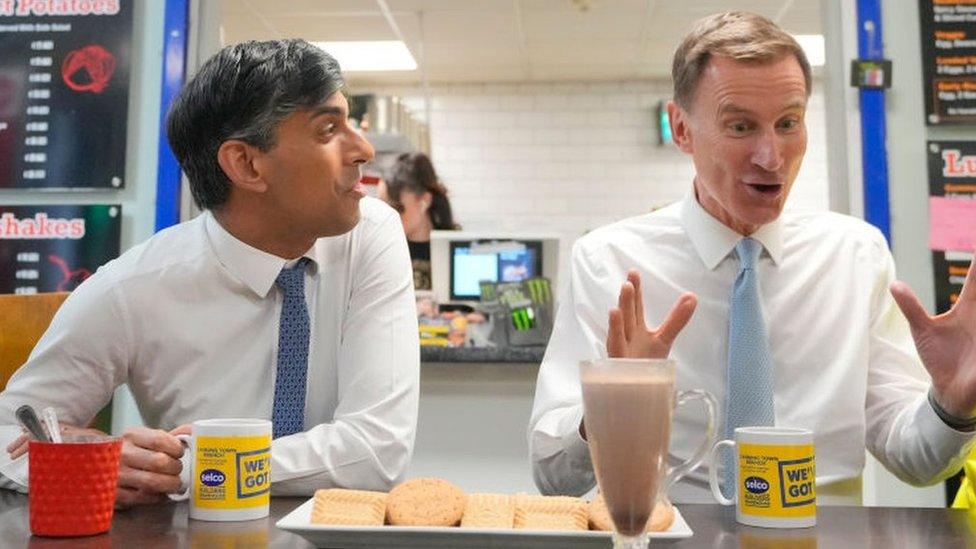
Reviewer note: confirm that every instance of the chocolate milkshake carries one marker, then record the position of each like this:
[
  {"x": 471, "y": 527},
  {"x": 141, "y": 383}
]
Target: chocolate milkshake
[{"x": 628, "y": 425}]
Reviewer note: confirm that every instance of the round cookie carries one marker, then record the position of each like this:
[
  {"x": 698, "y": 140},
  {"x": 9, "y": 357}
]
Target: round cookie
[
  {"x": 662, "y": 517},
  {"x": 599, "y": 517},
  {"x": 425, "y": 502}
]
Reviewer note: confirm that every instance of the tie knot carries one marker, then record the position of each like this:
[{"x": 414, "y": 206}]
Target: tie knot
[
  {"x": 748, "y": 250},
  {"x": 291, "y": 280}
]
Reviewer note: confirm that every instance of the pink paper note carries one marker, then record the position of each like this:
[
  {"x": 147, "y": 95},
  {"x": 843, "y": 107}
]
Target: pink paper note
[{"x": 952, "y": 224}]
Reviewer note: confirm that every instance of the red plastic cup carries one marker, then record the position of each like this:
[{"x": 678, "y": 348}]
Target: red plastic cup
[{"x": 72, "y": 486}]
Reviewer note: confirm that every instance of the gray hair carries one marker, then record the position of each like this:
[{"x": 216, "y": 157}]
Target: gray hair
[{"x": 741, "y": 36}]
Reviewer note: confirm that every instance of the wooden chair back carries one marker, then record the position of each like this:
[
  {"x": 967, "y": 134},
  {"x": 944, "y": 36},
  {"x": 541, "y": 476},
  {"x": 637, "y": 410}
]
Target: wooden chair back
[{"x": 23, "y": 319}]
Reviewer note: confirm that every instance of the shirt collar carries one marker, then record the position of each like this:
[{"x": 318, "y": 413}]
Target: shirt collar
[
  {"x": 713, "y": 240},
  {"x": 257, "y": 269}
]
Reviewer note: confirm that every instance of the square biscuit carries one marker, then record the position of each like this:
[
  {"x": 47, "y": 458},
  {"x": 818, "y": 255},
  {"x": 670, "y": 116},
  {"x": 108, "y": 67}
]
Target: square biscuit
[
  {"x": 489, "y": 511},
  {"x": 349, "y": 507},
  {"x": 550, "y": 513}
]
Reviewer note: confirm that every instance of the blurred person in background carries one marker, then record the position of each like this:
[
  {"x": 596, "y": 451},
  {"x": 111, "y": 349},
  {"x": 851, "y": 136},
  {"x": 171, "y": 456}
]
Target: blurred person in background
[{"x": 414, "y": 189}]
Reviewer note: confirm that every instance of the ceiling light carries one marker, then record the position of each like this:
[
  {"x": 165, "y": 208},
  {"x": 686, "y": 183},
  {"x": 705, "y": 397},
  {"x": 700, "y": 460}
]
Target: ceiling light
[
  {"x": 376, "y": 55},
  {"x": 813, "y": 46}
]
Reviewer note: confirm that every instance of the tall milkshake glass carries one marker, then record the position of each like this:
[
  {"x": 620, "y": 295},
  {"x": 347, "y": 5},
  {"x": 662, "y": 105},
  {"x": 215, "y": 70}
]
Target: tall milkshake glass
[{"x": 628, "y": 405}]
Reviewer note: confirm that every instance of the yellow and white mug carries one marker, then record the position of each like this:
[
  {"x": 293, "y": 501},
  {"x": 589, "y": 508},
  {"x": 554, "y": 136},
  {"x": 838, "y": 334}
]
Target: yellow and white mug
[
  {"x": 227, "y": 475},
  {"x": 775, "y": 476}
]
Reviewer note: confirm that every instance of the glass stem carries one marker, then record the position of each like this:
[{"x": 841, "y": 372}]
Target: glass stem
[{"x": 630, "y": 542}]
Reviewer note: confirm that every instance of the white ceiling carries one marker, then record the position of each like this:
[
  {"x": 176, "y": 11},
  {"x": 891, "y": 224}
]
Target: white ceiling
[{"x": 506, "y": 40}]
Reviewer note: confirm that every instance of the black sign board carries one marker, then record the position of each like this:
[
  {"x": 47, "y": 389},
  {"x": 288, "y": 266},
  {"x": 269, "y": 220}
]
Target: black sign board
[
  {"x": 64, "y": 92},
  {"x": 949, "y": 61},
  {"x": 55, "y": 248},
  {"x": 952, "y": 173}
]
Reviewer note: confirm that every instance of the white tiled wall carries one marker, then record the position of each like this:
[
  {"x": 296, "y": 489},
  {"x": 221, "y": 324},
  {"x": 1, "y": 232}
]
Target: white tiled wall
[{"x": 569, "y": 157}]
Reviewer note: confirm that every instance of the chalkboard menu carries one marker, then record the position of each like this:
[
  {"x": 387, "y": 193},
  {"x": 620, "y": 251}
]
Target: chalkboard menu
[
  {"x": 55, "y": 248},
  {"x": 952, "y": 175},
  {"x": 64, "y": 93},
  {"x": 949, "y": 60}
]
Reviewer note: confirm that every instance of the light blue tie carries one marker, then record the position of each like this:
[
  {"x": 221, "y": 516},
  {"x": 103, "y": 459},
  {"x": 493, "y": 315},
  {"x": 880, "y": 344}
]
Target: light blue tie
[
  {"x": 288, "y": 414},
  {"x": 749, "y": 384}
]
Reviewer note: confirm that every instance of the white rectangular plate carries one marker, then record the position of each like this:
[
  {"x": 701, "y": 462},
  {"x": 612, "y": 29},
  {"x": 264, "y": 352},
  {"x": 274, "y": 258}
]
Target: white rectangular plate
[{"x": 321, "y": 535}]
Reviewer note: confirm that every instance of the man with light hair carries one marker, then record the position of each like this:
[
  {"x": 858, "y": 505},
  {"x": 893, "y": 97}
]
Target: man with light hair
[{"x": 789, "y": 319}]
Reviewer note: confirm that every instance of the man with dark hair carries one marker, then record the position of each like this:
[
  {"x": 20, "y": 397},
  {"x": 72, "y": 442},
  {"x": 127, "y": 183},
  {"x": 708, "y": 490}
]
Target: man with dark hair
[
  {"x": 290, "y": 298},
  {"x": 796, "y": 319}
]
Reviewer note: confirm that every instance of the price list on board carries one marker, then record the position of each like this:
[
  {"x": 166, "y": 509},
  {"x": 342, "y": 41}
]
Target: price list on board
[
  {"x": 949, "y": 60},
  {"x": 55, "y": 248},
  {"x": 952, "y": 216},
  {"x": 64, "y": 92}
]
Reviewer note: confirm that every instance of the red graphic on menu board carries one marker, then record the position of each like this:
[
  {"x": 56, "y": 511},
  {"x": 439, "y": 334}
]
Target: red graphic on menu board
[
  {"x": 88, "y": 69},
  {"x": 70, "y": 279},
  {"x": 8, "y": 91}
]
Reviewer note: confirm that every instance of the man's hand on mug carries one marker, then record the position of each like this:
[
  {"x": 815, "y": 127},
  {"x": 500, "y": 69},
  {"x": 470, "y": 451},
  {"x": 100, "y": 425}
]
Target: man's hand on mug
[
  {"x": 628, "y": 335},
  {"x": 150, "y": 466}
]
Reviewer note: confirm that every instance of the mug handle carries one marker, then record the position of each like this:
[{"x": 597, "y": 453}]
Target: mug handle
[
  {"x": 187, "y": 472},
  {"x": 713, "y": 473},
  {"x": 678, "y": 472}
]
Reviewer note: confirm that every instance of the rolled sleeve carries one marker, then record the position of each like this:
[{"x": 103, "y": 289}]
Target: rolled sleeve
[
  {"x": 75, "y": 366},
  {"x": 560, "y": 457},
  {"x": 903, "y": 431}
]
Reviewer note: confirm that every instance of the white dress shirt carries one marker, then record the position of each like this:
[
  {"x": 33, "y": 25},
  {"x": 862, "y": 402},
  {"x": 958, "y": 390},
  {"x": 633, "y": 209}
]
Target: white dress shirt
[
  {"x": 189, "y": 320},
  {"x": 845, "y": 365}
]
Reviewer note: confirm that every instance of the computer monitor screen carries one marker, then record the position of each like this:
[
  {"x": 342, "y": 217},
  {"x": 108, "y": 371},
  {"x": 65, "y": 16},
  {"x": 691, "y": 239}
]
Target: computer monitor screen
[{"x": 472, "y": 263}]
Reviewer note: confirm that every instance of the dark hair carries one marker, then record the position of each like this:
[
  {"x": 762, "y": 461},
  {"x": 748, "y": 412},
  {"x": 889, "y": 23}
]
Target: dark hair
[
  {"x": 415, "y": 173},
  {"x": 243, "y": 92}
]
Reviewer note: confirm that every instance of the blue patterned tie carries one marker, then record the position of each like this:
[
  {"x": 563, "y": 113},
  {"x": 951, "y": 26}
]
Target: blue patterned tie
[
  {"x": 288, "y": 414},
  {"x": 749, "y": 385}
]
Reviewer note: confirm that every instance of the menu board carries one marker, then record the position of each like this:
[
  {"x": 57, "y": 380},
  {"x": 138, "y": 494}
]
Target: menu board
[
  {"x": 64, "y": 93},
  {"x": 952, "y": 176},
  {"x": 949, "y": 60},
  {"x": 55, "y": 248}
]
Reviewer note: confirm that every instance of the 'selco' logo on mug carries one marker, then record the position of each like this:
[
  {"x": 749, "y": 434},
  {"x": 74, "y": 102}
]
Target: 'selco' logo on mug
[
  {"x": 212, "y": 477},
  {"x": 756, "y": 485}
]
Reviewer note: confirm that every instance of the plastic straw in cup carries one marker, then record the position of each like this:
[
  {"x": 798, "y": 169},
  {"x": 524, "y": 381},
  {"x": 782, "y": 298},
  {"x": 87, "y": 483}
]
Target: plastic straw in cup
[{"x": 53, "y": 426}]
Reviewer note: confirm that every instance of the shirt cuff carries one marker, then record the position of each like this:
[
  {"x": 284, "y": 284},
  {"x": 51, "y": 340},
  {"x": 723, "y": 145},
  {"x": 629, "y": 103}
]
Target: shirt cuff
[
  {"x": 573, "y": 444},
  {"x": 15, "y": 474},
  {"x": 947, "y": 441},
  {"x": 959, "y": 424}
]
